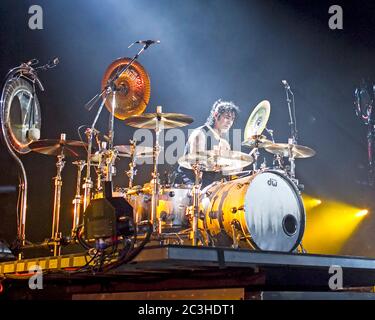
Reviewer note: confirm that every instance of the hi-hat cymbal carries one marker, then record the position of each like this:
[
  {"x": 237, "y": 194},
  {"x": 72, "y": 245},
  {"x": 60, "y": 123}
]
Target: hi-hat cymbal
[
  {"x": 140, "y": 151},
  {"x": 257, "y": 120},
  {"x": 285, "y": 150},
  {"x": 54, "y": 147},
  {"x": 214, "y": 160},
  {"x": 257, "y": 142},
  {"x": 166, "y": 120},
  {"x": 132, "y": 88}
]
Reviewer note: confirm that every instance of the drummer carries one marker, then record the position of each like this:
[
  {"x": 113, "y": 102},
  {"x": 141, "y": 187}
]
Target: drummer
[{"x": 213, "y": 135}]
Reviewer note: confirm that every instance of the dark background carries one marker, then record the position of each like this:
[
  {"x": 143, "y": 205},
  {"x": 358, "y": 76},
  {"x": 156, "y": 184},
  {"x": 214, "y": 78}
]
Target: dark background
[{"x": 210, "y": 49}]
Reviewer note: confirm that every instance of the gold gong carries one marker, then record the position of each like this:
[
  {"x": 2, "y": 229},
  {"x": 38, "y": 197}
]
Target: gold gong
[{"x": 132, "y": 89}]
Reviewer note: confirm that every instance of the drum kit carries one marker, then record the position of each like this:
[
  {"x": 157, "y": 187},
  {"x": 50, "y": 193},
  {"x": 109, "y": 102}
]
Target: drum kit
[{"x": 260, "y": 208}]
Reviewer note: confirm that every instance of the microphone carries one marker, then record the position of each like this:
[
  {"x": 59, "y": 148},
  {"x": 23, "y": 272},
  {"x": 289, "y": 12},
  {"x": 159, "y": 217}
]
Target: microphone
[
  {"x": 148, "y": 42},
  {"x": 51, "y": 64},
  {"x": 55, "y": 61},
  {"x": 286, "y": 84},
  {"x": 145, "y": 42}
]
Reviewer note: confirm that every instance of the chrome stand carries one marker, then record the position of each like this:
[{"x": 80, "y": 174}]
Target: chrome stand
[
  {"x": 88, "y": 185},
  {"x": 77, "y": 202},
  {"x": 155, "y": 175},
  {"x": 196, "y": 201},
  {"x": 132, "y": 171},
  {"x": 56, "y": 234}
]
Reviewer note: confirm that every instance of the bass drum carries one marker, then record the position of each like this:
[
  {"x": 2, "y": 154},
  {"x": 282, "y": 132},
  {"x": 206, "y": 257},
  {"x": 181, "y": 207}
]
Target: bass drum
[{"x": 265, "y": 209}]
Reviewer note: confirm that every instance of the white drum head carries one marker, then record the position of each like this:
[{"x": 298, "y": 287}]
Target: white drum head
[{"x": 274, "y": 213}]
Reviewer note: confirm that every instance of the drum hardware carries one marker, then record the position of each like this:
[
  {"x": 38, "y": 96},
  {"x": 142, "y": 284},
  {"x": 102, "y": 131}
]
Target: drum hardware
[
  {"x": 125, "y": 92},
  {"x": 77, "y": 202},
  {"x": 157, "y": 122},
  {"x": 56, "y": 234},
  {"x": 212, "y": 160},
  {"x": 61, "y": 149},
  {"x": 236, "y": 233},
  {"x": 256, "y": 142},
  {"x": 196, "y": 202},
  {"x": 292, "y": 112},
  {"x": 132, "y": 171},
  {"x": 133, "y": 152},
  {"x": 257, "y": 120},
  {"x": 216, "y": 160}
]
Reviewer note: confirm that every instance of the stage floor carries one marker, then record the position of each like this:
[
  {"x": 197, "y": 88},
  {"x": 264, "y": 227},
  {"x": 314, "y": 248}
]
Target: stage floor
[{"x": 231, "y": 273}]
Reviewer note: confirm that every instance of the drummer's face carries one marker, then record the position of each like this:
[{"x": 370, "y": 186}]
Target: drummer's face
[{"x": 224, "y": 121}]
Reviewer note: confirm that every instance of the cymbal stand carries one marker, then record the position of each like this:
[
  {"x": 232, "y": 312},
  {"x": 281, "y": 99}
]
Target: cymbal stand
[
  {"x": 292, "y": 162},
  {"x": 277, "y": 162},
  {"x": 293, "y": 129},
  {"x": 155, "y": 174},
  {"x": 196, "y": 191},
  {"x": 88, "y": 185},
  {"x": 132, "y": 171},
  {"x": 56, "y": 235},
  {"x": 77, "y": 202}
]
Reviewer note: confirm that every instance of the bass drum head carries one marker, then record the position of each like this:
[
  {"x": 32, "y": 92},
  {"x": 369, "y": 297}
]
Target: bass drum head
[{"x": 274, "y": 212}]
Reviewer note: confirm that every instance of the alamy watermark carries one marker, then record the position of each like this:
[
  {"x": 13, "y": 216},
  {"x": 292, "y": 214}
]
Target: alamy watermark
[
  {"x": 36, "y": 18},
  {"x": 336, "y": 21},
  {"x": 36, "y": 280},
  {"x": 335, "y": 282}
]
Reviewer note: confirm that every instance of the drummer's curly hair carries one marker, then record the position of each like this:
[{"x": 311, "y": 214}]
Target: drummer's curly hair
[{"x": 219, "y": 107}]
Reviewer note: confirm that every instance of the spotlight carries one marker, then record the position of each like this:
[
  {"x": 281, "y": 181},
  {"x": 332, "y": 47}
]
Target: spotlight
[{"x": 361, "y": 213}]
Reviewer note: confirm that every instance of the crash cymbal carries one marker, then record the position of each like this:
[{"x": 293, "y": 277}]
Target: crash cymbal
[
  {"x": 297, "y": 151},
  {"x": 213, "y": 160},
  {"x": 257, "y": 142},
  {"x": 140, "y": 151},
  {"x": 166, "y": 120},
  {"x": 54, "y": 147},
  {"x": 257, "y": 120},
  {"x": 133, "y": 88}
]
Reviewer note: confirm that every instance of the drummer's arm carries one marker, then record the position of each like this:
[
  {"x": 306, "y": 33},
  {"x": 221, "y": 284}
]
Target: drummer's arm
[{"x": 197, "y": 142}]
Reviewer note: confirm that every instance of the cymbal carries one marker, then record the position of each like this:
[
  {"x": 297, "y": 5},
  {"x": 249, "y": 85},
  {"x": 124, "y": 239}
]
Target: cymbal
[
  {"x": 257, "y": 142},
  {"x": 166, "y": 120},
  {"x": 214, "y": 160},
  {"x": 258, "y": 119},
  {"x": 133, "y": 88},
  {"x": 54, "y": 147},
  {"x": 298, "y": 151},
  {"x": 140, "y": 151}
]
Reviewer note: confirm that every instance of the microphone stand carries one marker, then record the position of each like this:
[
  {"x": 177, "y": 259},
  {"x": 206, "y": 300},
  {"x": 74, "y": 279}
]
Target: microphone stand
[{"x": 293, "y": 130}]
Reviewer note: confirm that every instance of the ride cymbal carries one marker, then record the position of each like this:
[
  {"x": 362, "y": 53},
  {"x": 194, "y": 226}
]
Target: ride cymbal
[
  {"x": 257, "y": 142},
  {"x": 286, "y": 150},
  {"x": 166, "y": 120}
]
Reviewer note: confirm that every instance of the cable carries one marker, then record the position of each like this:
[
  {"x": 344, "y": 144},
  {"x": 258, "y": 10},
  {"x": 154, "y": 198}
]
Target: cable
[{"x": 130, "y": 256}]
